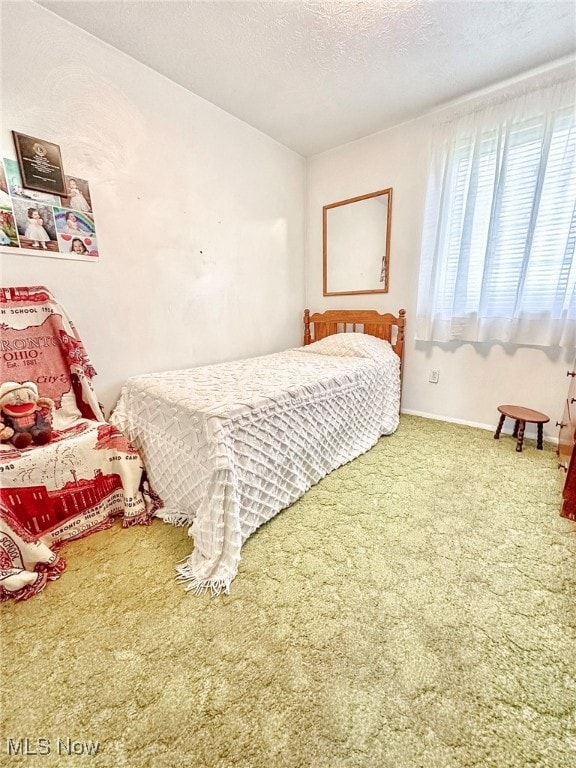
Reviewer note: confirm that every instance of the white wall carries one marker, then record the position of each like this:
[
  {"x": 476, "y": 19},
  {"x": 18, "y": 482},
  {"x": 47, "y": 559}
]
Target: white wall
[
  {"x": 200, "y": 218},
  {"x": 474, "y": 378}
]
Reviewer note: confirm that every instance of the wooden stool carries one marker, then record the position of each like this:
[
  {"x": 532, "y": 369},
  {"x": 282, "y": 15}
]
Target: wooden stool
[{"x": 522, "y": 416}]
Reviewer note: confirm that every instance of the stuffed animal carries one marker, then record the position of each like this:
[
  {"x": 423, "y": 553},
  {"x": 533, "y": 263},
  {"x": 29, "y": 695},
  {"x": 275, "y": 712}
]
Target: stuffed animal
[{"x": 26, "y": 417}]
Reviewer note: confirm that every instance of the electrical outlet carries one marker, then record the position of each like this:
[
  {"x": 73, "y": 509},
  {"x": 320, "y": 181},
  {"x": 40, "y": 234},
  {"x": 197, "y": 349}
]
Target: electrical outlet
[{"x": 434, "y": 376}]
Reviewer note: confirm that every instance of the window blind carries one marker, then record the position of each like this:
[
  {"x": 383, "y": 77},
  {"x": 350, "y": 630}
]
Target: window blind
[{"x": 499, "y": 239}]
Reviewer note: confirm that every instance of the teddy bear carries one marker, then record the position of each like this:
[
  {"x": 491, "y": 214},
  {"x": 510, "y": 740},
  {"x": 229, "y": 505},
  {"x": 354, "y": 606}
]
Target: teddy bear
[{"x": 25, "y": 417}]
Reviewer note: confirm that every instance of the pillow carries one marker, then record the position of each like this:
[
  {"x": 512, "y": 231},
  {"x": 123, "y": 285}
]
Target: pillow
[{"x": 350, "y": 345}]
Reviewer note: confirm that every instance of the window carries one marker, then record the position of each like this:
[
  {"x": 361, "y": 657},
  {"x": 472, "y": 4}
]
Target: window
[{"x": 500, "y": 225}]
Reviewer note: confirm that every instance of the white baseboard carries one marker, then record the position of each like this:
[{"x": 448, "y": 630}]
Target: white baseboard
[{"x": 489, "y": 427}]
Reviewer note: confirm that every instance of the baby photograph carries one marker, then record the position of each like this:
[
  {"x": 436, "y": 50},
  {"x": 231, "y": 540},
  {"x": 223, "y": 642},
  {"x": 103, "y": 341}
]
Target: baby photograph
[
  {"x": 35, "y": 224},
  {"x": 78, "y": 247},
  {"x": 8, "y": 233},
  {"x": 78, "y": 194},
  {"x": 73, "y": 222},
  {"x": 4, "y": 193}
]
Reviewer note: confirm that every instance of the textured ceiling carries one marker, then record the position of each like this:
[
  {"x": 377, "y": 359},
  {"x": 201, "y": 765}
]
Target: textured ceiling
[{"x": 314, "y": 75}]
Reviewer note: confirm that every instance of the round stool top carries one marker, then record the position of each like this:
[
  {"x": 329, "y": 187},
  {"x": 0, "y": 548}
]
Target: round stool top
[{"x": 523, "y": 414}]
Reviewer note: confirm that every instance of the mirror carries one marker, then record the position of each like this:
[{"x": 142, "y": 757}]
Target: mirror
[{"x": 357, "y": 244}]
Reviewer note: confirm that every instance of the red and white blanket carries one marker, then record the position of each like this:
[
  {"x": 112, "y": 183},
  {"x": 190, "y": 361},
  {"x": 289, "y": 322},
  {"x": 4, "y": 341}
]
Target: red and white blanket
[
  {"x": 26, "y": 564},
  {"x": 85, "y": 477}
]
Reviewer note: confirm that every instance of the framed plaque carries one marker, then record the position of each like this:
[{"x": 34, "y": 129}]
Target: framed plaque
[{"x": 40, "y": 164}]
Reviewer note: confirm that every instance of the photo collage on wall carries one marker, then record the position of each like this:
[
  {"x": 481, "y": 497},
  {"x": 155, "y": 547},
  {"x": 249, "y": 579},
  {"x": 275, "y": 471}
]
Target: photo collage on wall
[{"x": 44, "y": 224}]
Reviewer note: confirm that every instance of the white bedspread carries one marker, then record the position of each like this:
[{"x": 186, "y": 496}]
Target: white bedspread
[{"x": 228, "y": 446}]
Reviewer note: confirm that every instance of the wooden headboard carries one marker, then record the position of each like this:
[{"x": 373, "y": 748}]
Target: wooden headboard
[{"x": 387, "y": 327}]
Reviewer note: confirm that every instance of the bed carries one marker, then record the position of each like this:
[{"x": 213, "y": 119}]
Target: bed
[{"x": 228, "y": 446}]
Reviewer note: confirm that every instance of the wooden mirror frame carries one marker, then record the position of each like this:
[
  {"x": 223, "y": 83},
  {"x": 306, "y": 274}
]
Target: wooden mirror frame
[{"x": 325, "y": 210}]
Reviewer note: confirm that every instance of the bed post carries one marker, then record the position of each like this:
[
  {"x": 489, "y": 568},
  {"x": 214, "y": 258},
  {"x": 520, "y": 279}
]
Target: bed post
[
  {"x": 400, "y": 344},
  {"x": 400, "y": 338},
  {"x": 307, "y": 338},
  {"x": 401, "y": 324}
]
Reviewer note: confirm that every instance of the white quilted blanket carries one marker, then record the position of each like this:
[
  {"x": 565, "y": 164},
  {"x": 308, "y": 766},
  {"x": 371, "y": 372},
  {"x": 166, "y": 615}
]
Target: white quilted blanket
[{"x": 228, "y": 446}]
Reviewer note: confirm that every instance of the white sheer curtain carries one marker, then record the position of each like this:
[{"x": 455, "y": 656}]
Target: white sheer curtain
[{"x": 497, "y": 258}]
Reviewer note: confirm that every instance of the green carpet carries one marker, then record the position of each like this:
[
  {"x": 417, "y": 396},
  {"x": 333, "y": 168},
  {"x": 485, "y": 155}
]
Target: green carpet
[{"x": 416, "y": 608}]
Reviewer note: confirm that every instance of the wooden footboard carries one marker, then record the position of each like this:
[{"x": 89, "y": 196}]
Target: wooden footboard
[{"x": 386, "y": 326}]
